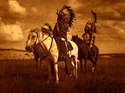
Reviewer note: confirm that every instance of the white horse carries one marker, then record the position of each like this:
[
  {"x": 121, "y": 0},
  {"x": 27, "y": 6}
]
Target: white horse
[{"x": 44, "y": 47}]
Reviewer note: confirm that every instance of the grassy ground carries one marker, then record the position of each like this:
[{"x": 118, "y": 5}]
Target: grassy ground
[{"x": 21, "y": 76}]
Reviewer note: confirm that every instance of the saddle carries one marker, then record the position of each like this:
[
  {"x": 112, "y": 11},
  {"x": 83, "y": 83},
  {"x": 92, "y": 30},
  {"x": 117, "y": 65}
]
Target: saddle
[
  {"x": 69, "y": 46},
  {"x": 91, "y": 50}
]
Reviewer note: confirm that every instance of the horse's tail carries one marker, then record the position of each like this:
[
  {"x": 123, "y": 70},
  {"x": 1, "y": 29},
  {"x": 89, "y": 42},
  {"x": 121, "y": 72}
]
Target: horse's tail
[{"x": 85, "y": 50}]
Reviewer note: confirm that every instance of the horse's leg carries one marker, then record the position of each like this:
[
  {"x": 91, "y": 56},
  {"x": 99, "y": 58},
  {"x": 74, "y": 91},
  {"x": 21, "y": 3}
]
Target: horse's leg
[
  {"x": 93, "y": 60},
  {"x": 96, "y": 58},
  {"x": 56, "y": 72},
  {"x": 81, "y": 63},
  {"x": 50, "y": 70},
  {"x": 68, "y": 65},
  {"x": 36, "y": 64},
  {"x": 76, "y": 67},
  {"x": 53, "y": 68},
  {"x": 94, "y": 67},
  {"x": 36, "y": 59},
  {"x": 40, "y": 62},
  {"x": 74, "y": 64},
  {"x": 66, "y": 70},
  {"x": 85, "y": 64}
]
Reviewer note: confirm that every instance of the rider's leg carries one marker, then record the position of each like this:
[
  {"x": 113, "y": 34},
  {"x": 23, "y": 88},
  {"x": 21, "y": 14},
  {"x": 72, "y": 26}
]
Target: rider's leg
[
  {"x": 68, "y": 60},
  {"x": 68, "y": 64}
]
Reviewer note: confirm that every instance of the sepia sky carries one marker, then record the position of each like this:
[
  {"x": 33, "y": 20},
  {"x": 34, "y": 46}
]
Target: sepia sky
[{"x": 17, "y": 17}]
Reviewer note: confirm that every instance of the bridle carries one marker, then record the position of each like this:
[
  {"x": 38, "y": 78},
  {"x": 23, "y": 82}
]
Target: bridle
[{"x": 43, "y": 57}]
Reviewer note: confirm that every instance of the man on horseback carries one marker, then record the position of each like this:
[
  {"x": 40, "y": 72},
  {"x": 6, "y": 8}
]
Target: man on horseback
[
  {"x": 64, "y": 21},
  {"x": 90, "y": 29},
  {"x": 47, "y": 29}
]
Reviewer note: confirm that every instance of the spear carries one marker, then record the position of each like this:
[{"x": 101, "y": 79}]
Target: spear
[
  {"x": 93, "y": 21},
  {"x": 93, "y": 29}
]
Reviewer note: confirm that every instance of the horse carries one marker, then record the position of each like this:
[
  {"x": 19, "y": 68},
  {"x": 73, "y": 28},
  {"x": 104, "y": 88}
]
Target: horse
[
  {"x": 85, "y": 53},
  {"x": 44, "y": 47}
]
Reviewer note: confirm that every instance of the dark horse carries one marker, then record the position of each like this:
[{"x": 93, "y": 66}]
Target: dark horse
[{"x": 84, "y": 53}]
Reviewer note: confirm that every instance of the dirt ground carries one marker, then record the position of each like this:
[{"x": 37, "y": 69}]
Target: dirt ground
[{"x": 22, "y": 76}]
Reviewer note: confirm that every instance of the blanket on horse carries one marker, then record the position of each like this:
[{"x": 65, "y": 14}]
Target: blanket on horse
[{"x": 64, "y": 47}]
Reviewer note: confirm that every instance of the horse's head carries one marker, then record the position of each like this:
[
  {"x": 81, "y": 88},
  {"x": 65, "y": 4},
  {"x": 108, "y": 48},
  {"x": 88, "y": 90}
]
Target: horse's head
[
  {"x": 66, "y": 15},
  {"x": 33, "y": 38},
  {"x": 75, "y": 38}
]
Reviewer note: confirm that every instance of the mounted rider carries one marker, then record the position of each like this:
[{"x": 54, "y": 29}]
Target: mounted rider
[
  {"x": 90, "y": 29},
  {"x": 65, "y": 19},
  {"x": 46, "y": 28}
]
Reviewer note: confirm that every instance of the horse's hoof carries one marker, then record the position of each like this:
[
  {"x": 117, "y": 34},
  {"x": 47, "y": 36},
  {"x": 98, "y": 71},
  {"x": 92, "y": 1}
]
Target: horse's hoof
[
  {"x": 70, "y": 75},
  {"x": 48, "y": 81},
  {"x": 57, "y": 81},
  {"x": 76, "y": 77},
  {"x": 93, "y": 69}
]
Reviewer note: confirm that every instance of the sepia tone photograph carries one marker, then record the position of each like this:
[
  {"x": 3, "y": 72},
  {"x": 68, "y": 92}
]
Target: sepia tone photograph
[{"x": 62, "y": 46}]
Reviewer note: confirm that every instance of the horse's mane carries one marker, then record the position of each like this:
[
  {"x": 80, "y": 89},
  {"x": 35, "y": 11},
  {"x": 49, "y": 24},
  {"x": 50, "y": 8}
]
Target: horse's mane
[
  {"x": 71, "y": 12},
  {"x": 47, "y": 24},
  {"x": 35, "y": 30},
  {"x": 79, "y": 39}
]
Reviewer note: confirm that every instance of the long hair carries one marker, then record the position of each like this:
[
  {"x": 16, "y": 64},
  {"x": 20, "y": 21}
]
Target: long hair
[
  {"x": 47, "y": 28},
  {"x": 47, "y": 24}
]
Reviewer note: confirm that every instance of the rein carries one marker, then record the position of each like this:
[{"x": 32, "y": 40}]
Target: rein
[
  {"x": 43, "y": 40},
  {"x": 43, "y": 57},
  {"x": 49, "y": 48}
]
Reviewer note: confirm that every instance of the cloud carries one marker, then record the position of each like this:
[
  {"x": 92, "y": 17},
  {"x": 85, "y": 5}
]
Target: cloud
[
  {"x": 108, "y": 12},
  {"x": 74, "y": 4},
  {"x": 10, "y": 32},
  {"x": 15, "y": 7},
  {"x": 34, "y": 9},
  {"x": 112, "y": 30},
  {"x": 110, "y": 9}
]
